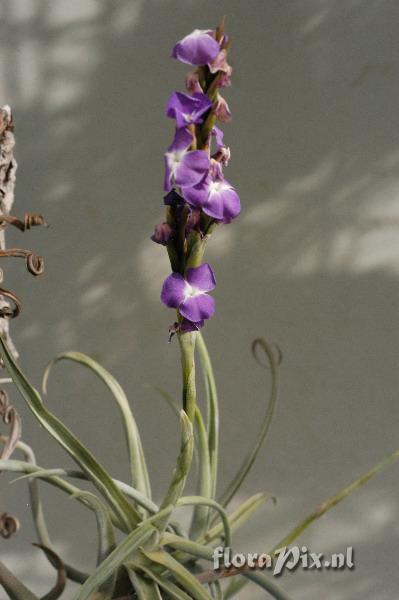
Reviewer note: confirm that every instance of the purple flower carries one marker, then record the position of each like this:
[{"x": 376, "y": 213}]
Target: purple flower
[
  {"x": 184, "y": 167},
  {"x": 218, "y": 133},
  {"x": 189, "y": 294},
  {"x": 187, "y": 109},
  {"x": 163, "y": 233},
  {"x": 198, "y": 48},
  {"x": 215, "y": 195}
]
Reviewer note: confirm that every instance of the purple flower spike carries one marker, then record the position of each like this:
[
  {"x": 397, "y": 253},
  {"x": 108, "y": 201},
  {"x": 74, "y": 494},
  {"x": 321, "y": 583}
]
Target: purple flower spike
[
  {"x": 198, "y": 48},
  {"x": 187, "y": 109},
  {"x": 184, "y": 167},
  {"x": 189, "y": 294}
]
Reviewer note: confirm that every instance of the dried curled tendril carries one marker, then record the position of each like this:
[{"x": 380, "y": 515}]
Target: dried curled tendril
[
  {"x": 11, "y": 418},
  {"x": 30, "y": 220},
  {"x": 34, "y": 262},
  {"x": 8, "y": 311},
  {"x": 8, "y": 525}
]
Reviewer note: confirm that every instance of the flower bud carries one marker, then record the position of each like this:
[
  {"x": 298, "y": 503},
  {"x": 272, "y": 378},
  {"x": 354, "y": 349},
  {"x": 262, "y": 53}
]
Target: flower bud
[
  {"x": 163, "y": 233},
  {"x": 222, "y": 110},
  {"x": 193, "y": 85}
]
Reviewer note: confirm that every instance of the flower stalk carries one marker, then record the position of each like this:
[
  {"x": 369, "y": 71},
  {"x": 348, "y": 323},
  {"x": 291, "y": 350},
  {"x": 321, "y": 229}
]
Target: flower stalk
[{"x": 187, "y": 343}]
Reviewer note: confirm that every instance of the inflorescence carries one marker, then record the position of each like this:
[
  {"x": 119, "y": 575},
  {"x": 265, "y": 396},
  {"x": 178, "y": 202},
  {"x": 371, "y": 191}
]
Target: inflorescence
[{"x": 198, "y": 196}]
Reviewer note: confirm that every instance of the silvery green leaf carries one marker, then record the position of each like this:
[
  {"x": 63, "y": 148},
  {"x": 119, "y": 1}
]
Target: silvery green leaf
[
  {"x": 145, "y": 588},
  {"x": 212, "y": 410},
  {"x": 216, "y": 590},
  {"x": 201, "y": 513},
  {"x": 126, "y": 514},
  {"x": 106, "y": 536},
  {"x": 239, "y": 516},
  {"x": 128, "y": 490},
  {"x": 269, "y": 585},
  {"x": 328, "y": 504},
  {"x": 186, "y": 579},
  {"x": 38, "y": 514},
  {"x": 182, "y": 468},
  {"x": 201, "y": 501},
  {"x": 146, "y": 532},
  {"x": 201, "y": 551},
  {"x": 173, "y": 591},
  {"x": 138, "y": 465}
]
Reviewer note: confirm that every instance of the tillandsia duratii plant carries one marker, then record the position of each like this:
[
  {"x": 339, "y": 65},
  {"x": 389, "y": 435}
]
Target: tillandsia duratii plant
[{"x": 157, "y": 557}]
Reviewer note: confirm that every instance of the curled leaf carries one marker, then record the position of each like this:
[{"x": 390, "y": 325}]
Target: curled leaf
[
  {"x": 37, "y": 508},
  {"x": 248, "y": 462},
  {"x": 138, "y": 466},
  {"x": 10, "y": 417},
  {"x": 57, "y": 563},
  {"x": 125, "y": 512}
]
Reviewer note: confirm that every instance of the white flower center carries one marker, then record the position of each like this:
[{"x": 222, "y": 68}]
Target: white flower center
[
  {"x": 191, "y": 291},
  {"x": 215, "y": 187},
  {"x": 197, "y": 33},
  {"x": 174, "y": 159}
]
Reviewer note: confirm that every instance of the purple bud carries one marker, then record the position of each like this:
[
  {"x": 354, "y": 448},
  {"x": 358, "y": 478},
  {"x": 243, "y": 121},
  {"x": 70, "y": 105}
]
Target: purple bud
[
  {"x": 222, "y": 156},
  {"x": 193, "y": 220},
  {"x": 192, "y": 83},
  {"x": 222, "y": 110},
  {"x": 186, "y": 325},
  {"x": 172, "y": 198},
  {"x": 220, "y": 63},
  {"x": 163, "y": 233},
  {"x": 224, "y": 78}
]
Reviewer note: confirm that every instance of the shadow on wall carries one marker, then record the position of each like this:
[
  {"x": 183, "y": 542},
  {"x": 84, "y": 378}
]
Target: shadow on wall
[{"x": 312, "y": 262}]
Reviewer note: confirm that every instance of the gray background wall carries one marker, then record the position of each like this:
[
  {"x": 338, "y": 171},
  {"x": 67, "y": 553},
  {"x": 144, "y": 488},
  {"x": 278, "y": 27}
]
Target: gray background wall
[{"x": 312, "y": 263}]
